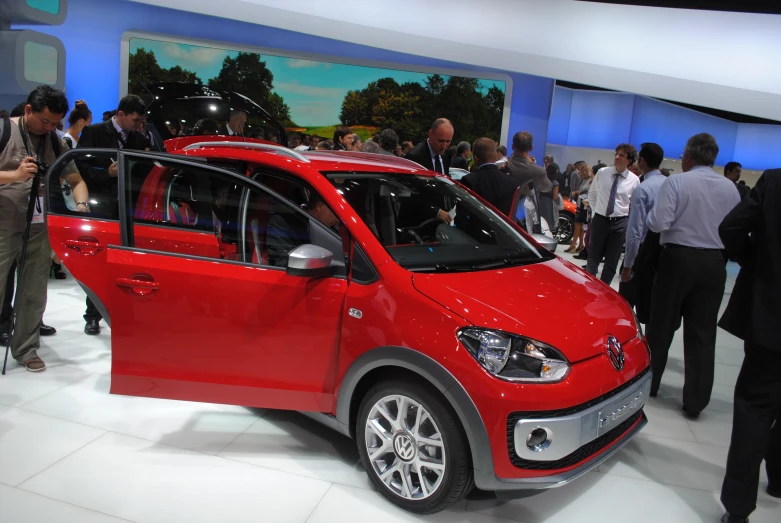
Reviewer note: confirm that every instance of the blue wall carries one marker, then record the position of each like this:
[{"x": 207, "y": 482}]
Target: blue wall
[
  {"x": 602, "y": 120},
  {"x": 93, "y": 30},
  {"x": 671, "y": 126},
  {"x": 758, "y": 142},
  {"x": 558, "y": 127}
]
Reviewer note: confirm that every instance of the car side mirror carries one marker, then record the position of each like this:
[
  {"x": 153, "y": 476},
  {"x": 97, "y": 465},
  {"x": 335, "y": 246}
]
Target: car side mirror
[
  {"x": 309, "y": 261},
  {"x": 546, "y": 242}
]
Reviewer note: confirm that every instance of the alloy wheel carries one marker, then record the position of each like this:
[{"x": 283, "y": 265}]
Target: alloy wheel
[
  {"x": 405, "y": 447},
  {"x": 565, "y": 230}
]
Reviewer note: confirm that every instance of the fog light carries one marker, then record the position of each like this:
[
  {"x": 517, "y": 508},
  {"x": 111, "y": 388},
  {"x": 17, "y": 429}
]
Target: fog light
[{"x": 539, "y": 439}]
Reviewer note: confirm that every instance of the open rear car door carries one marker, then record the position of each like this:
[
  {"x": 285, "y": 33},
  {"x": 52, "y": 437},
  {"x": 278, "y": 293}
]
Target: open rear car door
[{"x": 167, "y": 253}]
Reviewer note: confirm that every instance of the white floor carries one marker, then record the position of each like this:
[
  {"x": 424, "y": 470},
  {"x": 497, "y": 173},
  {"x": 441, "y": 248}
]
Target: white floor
[{"x": 70, "y": 452}]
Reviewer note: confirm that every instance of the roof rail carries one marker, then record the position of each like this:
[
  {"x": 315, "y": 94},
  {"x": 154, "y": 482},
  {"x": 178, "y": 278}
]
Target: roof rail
[{"x": 278, "y": 149}]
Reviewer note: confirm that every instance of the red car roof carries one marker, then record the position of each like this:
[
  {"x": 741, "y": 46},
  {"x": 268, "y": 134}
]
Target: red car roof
[{"x": 323, "y": 161}]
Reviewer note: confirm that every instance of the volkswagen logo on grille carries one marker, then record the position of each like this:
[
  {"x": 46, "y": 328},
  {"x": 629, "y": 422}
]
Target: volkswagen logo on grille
[
  {"x": 404, "y": 446},
  {"x": 615, "y": 352}
]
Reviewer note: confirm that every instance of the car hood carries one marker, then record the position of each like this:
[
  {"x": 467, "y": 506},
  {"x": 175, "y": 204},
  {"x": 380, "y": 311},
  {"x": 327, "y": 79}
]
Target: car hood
[{"x": 553, "y": 302}]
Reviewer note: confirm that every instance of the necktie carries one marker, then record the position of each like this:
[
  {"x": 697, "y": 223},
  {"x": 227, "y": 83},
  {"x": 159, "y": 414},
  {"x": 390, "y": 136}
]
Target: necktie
[
  {"x": 611, "y": 203},
  {"x": 438, "y": 164}
]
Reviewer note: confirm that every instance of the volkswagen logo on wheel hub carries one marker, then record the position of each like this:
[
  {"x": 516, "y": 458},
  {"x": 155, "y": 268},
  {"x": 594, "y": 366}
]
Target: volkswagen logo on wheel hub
[
  {"x": 404, "y": 446},
  {"x": 615, "y": 353}
]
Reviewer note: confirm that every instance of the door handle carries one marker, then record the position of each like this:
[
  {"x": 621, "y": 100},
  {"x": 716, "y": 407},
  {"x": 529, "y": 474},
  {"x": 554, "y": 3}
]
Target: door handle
[
  {"x": 137, "y": 286},
  {"x": 85, "y": 246}
]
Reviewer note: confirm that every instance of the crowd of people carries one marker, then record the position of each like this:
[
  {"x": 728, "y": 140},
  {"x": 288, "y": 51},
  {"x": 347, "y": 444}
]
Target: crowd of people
[{"x": 677, "y": 233}]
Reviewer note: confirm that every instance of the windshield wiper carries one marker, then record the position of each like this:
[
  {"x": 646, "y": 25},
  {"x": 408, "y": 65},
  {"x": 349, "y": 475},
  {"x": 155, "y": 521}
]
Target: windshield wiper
[
  {"x": 506, "y": 262},
  {"x": 440, "y": 268}
]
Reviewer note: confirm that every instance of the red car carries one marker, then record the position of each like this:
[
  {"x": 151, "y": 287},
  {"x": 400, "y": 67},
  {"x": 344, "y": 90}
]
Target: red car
[{"x": 327, "y": 283}]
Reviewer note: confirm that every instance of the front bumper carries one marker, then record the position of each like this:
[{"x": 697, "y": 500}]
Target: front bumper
[
  {"x": 570, "y": 433},
  {"x": 580, "y": 441}
]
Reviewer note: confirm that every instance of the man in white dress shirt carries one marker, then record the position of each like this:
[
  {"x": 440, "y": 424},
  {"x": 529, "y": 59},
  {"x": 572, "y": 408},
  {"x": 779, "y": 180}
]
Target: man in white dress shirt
[
  {"x": 609, "y": 197},
  {"x": 692, "y": 272}
]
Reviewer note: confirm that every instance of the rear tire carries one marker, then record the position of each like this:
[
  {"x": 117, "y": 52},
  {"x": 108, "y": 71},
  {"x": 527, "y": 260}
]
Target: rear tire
[{"x": 413, "y": 447}]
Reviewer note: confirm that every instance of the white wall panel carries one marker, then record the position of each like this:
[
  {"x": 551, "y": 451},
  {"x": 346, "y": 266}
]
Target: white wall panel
[{"x": 723, "y": 60}]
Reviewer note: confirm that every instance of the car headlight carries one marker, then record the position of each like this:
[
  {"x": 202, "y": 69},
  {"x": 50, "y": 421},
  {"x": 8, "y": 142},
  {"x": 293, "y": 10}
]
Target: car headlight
[
  {"x": 640, "y": 335},
  {"x": 515, "y": 358},
  {"x": 638, "y": 327}
]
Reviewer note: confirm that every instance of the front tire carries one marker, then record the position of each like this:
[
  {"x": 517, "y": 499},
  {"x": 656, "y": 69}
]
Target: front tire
[{"x": 413, "y": 447}]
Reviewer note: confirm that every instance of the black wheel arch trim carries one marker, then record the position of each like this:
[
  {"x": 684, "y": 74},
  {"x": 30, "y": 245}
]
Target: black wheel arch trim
[
  {"x": 439, "y": 377},
  {"x": 97, "y": 303}
]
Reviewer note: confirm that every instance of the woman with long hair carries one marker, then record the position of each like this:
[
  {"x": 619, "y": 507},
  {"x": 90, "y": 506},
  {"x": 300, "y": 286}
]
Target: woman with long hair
[{"x": 578, "y": 194}]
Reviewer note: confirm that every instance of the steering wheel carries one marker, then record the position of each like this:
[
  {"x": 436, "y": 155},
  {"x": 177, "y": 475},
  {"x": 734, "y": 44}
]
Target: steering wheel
[{"x": 422, "y": 225}]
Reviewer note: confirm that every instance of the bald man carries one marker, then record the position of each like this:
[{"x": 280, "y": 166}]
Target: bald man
[{"x": 430, "y": 153}]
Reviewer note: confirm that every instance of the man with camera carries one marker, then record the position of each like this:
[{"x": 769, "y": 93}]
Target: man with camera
[{"x": 31, "y": 147}]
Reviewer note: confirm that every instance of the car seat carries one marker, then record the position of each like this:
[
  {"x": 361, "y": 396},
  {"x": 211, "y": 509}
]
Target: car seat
[{"x": 181, "y": 208}]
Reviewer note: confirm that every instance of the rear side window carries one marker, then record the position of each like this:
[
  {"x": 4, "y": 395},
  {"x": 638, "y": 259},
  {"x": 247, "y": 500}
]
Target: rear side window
[{"x": 182, "y": 208}]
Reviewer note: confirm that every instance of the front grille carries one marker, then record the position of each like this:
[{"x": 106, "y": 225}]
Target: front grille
[
  {"x": 583, "y": 453},
  {"x": 515, "y": 416}
]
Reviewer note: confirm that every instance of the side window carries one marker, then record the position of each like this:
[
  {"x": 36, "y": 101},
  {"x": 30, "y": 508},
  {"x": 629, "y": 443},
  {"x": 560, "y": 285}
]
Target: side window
[
  {"x": 274, "y": 229},
  {"x": 200, "y": 210},
  {"x": 183, "y": 209},
  {"x": 89, "y": 178},
  {"x": 295, "y": 191},
  {"x": 363, "y": 271}
]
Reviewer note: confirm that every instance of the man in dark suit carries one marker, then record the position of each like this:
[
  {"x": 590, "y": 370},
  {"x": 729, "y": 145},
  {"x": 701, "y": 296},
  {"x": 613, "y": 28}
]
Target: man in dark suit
[
  {"x": 461, "y": 159},
  {"x": 122, "y": 131},
  {"x": 287, "y": 230},
  {"x": 488, "y": 180},
  {"x": 751, "y": 234},
  {"x": 428, "y": 154},
  {"x": 235, "y": 126},
  {"x": 732, "y": 171}
]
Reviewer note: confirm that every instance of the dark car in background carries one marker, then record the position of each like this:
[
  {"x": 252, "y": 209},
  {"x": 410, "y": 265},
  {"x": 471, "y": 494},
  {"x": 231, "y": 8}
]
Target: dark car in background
[{"x": 182, "y": 109}]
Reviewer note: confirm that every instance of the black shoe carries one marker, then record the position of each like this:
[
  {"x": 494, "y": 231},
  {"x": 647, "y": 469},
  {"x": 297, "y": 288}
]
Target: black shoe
[
  {"x": 774, "y": 491},
  {"x": 92, "y": 328},
  {"x": 46, "y": 330},
  {"x": 583, "y": 255},
  {"x": 729, "y": 518},
  {"x": 688, "y": 414},
  {"x": 654, "y": 393},
  {"x": 57, "y": 272}
]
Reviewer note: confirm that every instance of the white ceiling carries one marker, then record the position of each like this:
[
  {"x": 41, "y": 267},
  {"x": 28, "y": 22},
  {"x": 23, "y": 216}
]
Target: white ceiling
[{"x": 727, "y": 61}]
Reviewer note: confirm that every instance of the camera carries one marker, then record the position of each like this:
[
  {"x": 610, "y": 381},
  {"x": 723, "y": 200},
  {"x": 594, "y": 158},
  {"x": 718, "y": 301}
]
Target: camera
[{"x": 43, "y": 168}]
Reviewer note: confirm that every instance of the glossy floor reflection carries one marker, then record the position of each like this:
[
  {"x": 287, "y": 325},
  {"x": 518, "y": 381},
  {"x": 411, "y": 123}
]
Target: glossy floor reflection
[{"x": 71, "y": 452}]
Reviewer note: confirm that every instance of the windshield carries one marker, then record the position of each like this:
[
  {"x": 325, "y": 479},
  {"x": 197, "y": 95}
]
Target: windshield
[{"x": 431, "y": 224}]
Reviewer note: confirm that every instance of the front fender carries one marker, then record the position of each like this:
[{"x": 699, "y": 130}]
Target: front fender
[{"x": 439, "y": 377}]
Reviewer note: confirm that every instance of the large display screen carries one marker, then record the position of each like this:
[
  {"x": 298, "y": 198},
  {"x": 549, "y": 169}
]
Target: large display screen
[{"x": 313, "y": 96}]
